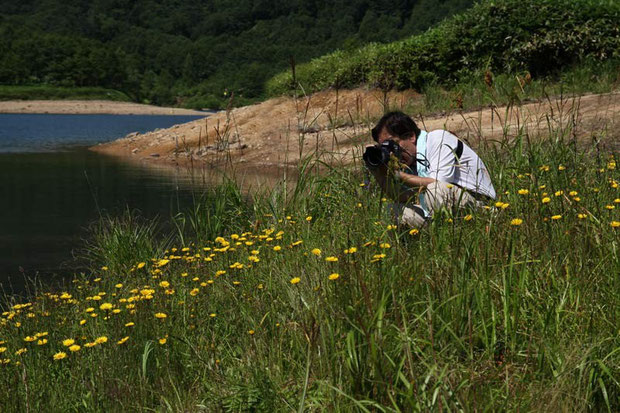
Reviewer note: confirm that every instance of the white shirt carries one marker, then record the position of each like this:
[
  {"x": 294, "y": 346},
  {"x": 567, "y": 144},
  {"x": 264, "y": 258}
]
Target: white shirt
[{"x": 438, "y": 148}]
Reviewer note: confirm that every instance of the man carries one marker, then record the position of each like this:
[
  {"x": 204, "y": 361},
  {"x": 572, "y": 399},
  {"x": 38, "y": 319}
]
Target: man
[{"x": 437, "y": 166}]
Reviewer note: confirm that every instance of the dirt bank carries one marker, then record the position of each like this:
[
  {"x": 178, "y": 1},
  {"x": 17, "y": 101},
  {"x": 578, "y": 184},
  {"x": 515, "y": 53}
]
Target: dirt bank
[
  {"x": 280, "y": 131},
  {"x": 89, "y": 107}
]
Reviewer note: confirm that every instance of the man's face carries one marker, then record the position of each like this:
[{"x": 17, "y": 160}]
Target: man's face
[{"x": 407, "y": 145}]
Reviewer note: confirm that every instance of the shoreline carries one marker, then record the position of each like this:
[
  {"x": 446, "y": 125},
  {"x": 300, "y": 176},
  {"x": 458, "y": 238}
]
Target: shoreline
[{"x": 90, "y": 107}]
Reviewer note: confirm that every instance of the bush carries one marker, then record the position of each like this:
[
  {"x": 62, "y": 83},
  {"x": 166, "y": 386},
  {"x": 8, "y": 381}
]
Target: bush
[{"x": 506, "y": 36}]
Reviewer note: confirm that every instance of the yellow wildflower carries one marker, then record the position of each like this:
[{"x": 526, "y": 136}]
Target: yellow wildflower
[
  {"x": 516, "y": 222},
  {"x": 60, "y": 355},
  {"x": 105, "y": 306},
  {"x": 161, "y": 316},
  {"x": 523, "y": 191},
  {"x": 122, "y": 340},
  {"x": 546, "y": 200},
  {"x": 556, "y": 217},
  {"x": 74, "y": 348},
  {"x": 316, "y": 252},
  {"x": 68, "y": 342},
  {"x": 295, "y": 280},
  {"x": 334, "y": 276},
  {"x": 162, "y": 341},
  {"x": 333, "y": 259},
  {"x": 101, "y": 340}
]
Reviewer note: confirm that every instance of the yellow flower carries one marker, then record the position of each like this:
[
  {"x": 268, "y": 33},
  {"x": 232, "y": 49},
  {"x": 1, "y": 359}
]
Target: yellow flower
[
  {"x": 74, "y": 348},
  {"x": 556, "y": 217},
  {"x": 164, "y": 284},
  {"x": 212, "y": 315},
  {"x": 414, "y": 231},
  {"x": 334, "y": 276},
  {"x": 42, "y": 341},
  {"x": 60, "y": 355},
  {"x": 316, "y": 252},
  {"x": 119, "y": 285},
  {"x": 582, "y": 216},
  {"x": 105, "y": 306},
  {"x": 101, "y": 340},
  {"x": 104, "y": 268},
  {"x": 141, "y": 265},
  {"x": 251, "y": 332},
  {"x": 193, "y": 293},
  {"x": 516, "y": 222},
  {"x": 162, "y": 341},
  {"x": 2, "y": 349},
  {"x": 523, "y": 191},
  {"x": 546, "y": 200},
  {"x": 82, "y": 322},
  {"x": 295, "y": 280},
  {"x": 89, "y": 345},
  {"x": 332, "y": 259},
  {"x": 122, "y": 340},
  {"x": 390, "y": 227},
  {"x": 573, "y": 193},
  {"x": 130, "y": 324},
  {"x": 277, "y": 248},
  {"x": 615, "y": 224},
  {"x": 161, "y": 316},
  {"x": 610, "y": 207},
  {"x": 68, "y": 342},
  {"x": 559, "y": 193},
  {"x": 384, "y": 245},
  {"x": 308, "y": 218},
  {"x": 468, "y": 217}
]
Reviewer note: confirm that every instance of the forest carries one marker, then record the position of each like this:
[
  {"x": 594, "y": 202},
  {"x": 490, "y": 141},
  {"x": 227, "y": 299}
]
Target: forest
[{"x": 192, "y": 53}]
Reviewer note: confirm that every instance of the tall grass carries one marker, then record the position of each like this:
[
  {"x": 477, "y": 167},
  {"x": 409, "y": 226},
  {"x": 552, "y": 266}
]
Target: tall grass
[{"x": 313, "y": 300}]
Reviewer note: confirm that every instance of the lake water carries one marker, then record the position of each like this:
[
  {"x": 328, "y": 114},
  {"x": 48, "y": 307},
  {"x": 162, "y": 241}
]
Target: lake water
[{"x": 52, "y": 188}]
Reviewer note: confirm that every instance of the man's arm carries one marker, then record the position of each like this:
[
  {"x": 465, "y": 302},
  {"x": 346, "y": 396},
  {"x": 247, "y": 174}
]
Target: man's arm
[
  {"x": 413, "y": 181},
  {"x": 393, "y": 189}
]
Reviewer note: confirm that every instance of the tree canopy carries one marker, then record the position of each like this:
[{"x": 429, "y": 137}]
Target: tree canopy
[{"x": 192, "y": 52}]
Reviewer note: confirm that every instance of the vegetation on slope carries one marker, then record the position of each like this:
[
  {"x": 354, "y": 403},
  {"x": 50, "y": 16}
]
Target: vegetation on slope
[
  {"x": 195, "y": 53},
  {"x": 532, "y": 38}
]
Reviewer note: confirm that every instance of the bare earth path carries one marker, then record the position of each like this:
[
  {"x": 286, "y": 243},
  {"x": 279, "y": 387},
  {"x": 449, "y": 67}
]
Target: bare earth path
[{"x": 278, "y": 132}]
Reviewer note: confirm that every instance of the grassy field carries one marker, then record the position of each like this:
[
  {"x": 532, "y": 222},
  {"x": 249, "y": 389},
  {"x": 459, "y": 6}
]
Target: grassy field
[
  {"x": 44, "y": 92},
  {"x": 308, "y": 298}
]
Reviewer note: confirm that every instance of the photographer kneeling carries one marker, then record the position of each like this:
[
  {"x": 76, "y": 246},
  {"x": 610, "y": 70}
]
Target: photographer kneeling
[{"x": 436, "y": 166}]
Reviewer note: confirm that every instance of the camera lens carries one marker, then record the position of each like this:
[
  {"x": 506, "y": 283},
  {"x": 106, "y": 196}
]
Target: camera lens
[{"x": 373, "y": 156}]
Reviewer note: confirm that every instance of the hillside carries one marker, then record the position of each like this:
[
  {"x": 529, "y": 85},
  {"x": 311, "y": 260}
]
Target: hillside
[
  {"x": 192, "y": 53},
  {"x": 532, "y": 38}
]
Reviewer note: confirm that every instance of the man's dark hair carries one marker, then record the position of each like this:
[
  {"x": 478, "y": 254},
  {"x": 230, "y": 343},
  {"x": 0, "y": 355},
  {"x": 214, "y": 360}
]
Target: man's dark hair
[{"x": 396, "y": 124}]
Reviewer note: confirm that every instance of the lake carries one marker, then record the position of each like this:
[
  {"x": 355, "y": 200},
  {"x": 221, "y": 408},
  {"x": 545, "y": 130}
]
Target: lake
[{"x": 52, "y": 188}]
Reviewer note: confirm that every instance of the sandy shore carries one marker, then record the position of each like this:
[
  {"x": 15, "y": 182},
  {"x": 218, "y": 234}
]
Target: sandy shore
[
  {"x": 282, "y": 131},
  {"x": 90, "y": 107}
]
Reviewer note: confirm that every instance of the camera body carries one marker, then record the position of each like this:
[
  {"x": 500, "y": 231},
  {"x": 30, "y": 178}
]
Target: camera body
[{"x": 378, "y": 155}]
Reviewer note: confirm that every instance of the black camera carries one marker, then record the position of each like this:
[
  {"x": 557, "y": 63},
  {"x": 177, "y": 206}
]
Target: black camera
[{"x": 380, "y": 153}]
